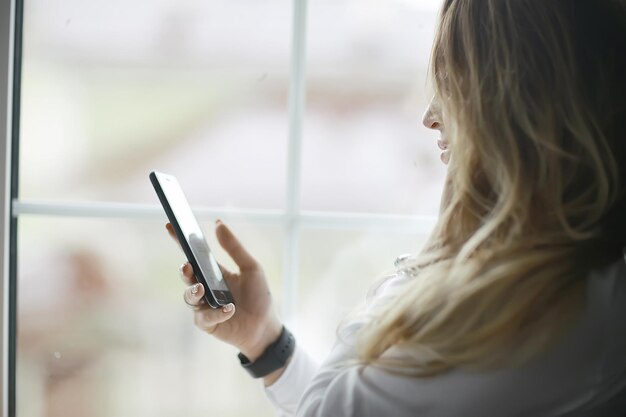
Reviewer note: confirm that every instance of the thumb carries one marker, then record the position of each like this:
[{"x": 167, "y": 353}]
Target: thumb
[
  {"x": 208, "y": 318},
  {"x": 234, "y": 248}
]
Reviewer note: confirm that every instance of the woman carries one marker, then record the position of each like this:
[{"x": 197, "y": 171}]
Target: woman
[{"x": 516, "y": 305}]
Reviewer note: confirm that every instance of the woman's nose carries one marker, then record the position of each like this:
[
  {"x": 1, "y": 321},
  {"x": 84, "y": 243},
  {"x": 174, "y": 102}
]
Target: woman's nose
[{"x": 430, "y": 120}]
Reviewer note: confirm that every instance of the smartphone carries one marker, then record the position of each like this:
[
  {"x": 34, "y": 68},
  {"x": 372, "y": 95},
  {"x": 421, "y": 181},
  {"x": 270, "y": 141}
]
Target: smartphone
[{"x": 191, "y": 239}]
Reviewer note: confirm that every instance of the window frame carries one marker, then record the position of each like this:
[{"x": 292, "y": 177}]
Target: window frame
[
  {"x": 10, "y": 60},
  {"x": 292, "y": 219}
]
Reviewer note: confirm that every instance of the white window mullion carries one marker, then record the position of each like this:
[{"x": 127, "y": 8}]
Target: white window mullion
[
  {"x": 297, "y": 94},
  {"x": 100, "y": 209},
  {"x": 305, "y": 219}
]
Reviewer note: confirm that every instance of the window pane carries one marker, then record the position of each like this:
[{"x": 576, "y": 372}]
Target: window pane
[
  {"x": 364, "y": 146},
  {"x": 103, "y": 330},
  {"x": 115, "y": 88},
  {"x": 336, "y": 274}
]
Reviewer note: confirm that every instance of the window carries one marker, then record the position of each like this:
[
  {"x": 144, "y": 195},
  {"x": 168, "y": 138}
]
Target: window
[{"x": 298, "y": 124}]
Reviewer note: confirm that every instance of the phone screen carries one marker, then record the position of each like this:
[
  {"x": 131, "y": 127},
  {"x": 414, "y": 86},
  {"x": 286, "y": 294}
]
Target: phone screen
[{"x": 192, "y": 233}]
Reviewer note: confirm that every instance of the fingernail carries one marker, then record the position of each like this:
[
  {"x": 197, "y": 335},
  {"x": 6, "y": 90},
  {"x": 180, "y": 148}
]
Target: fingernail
[
  {"x": 218, "y": 221},
  {"x": 195, "y": 289},
  {"x": 182, "y": 267},
  {"x": 228, "y": 308}
]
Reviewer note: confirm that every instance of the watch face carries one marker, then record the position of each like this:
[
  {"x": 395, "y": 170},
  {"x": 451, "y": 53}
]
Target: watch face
[{"x": 274, "y": 357}]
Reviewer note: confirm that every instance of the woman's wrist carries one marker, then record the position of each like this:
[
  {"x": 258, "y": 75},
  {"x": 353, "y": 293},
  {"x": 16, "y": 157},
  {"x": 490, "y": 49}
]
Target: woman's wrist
[
  {"x": 273, "y": 377},
  {"x": 268, "y": 336},
  {"x": 270, "y": 364}
]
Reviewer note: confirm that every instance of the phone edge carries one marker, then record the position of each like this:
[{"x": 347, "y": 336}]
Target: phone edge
[{"x": 208, "y": 292}]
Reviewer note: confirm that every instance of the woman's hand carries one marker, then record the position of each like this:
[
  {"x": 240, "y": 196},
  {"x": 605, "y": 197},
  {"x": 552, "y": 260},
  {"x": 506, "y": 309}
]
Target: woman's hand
[{"x": 252, "y": 325}]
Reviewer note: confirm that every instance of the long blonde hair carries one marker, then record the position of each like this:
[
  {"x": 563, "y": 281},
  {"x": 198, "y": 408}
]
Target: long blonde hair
[{"x": 532, "y": 95}]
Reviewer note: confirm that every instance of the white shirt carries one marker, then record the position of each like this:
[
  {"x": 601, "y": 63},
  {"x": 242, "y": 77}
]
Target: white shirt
[{"x": 584, "y": 375}]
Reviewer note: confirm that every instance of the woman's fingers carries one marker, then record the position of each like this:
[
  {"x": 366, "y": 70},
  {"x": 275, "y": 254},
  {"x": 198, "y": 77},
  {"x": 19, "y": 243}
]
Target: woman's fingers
[
  {"x": 208, "y": 319},
  {"x": 193, "y": 296},
  {"x": 186, "y": 273},
  {"x": 234, "y": 248},
  {"x": 205, "y": 317},
  {"x": 171, "y": 232}
]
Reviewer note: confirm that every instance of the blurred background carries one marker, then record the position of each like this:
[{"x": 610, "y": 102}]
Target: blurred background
[{"x": 199, "y": 89}]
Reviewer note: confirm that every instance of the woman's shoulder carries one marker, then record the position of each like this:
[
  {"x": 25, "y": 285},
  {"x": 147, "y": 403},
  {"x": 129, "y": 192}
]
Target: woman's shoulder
[
  {"x": 388, "y": 283},
  {"x": 582, "y": 375}
]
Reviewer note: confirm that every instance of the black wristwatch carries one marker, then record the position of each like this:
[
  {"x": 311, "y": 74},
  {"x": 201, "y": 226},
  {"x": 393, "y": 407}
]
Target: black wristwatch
[{"x": 274, "y": 357}]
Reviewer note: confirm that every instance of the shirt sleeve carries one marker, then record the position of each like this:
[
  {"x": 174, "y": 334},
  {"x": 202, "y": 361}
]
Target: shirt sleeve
[
  {"x": 306, "y": 389},
  {"x": 285, "y": 393},
  {"x": 343, "y": 388}
]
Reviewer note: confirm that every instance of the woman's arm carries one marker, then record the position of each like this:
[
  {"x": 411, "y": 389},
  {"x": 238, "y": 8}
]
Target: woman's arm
[
  {"x": 251, "y": 326},
  {"x": 342, "y": 388},
  {"x": 286, "y": 391}
]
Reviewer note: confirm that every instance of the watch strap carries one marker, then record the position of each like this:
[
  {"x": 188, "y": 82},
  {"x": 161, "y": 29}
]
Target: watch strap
[{"x": 274, "y": 357}]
